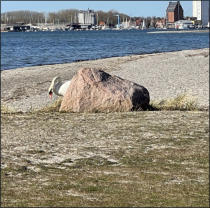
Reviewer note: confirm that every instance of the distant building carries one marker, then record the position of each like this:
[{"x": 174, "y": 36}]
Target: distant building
[
  {"x": 126, "y": 24},
  {"x": 86, "y": 18},
  {"x": 3, "y": 27},
  {"x": 201, "y": 11},
  {"x": 138, "y": 22},
  {"x": 184, "y": 24},
  {"x": 174, "y": 13},
  {"x": 160, "y": 23},
  {"x": 102, "y": 23}
]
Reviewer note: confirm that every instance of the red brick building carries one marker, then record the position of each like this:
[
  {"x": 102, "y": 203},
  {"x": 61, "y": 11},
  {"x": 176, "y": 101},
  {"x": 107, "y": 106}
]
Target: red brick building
[{"x": 174, "y": 12}]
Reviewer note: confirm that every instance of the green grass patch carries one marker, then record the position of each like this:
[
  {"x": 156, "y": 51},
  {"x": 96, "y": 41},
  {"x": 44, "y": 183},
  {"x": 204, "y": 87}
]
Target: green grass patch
[{"x": 105, "y": 186}]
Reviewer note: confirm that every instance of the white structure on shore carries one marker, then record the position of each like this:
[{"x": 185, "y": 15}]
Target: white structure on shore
[
  {"x": 184, "y": 24},
  {"x": 125, "y": 24},
  {"x": 87, "y": 18},
  {"x": 201, "y": 11}
]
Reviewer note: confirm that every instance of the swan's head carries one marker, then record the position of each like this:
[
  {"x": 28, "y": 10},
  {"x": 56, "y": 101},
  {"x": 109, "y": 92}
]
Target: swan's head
[{"x": 55, "y": 81}]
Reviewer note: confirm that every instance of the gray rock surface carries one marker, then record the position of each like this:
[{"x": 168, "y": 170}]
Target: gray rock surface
[{"x": 93, "y": 90}]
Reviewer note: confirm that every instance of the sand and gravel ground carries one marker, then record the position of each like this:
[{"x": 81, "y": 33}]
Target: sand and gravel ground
[{"x": 133, "y": 159}]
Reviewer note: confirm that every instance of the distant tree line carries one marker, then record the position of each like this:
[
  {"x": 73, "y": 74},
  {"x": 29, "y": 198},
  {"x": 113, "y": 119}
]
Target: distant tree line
[
  {"x": 69, "y": 16},
  {"x": 110, "y": 18},
  {"x": 22, "y": 16}
]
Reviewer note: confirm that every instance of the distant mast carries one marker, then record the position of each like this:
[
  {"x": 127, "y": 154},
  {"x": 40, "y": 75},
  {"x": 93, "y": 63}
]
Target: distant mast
[
  {"x": 118, "y": 21},
  {"x": 143, "y": 25},
  {"x": 45, "y": 18}
]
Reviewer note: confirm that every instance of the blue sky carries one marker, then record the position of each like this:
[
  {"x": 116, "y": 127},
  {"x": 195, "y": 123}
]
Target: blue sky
[{"x": 131, "y": 8}]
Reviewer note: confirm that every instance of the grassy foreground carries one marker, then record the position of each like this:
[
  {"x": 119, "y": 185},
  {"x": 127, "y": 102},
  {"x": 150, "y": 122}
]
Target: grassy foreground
[{"x": 158, "y": 158}]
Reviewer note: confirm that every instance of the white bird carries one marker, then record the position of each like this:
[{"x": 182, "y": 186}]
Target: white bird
[{"x": 58, "y": 87}]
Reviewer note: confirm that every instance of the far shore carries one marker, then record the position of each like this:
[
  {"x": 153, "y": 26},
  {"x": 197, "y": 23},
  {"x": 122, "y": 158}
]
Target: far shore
[
  {"x": 165, "y": 75},
  {"x": 180, "y": 31}
]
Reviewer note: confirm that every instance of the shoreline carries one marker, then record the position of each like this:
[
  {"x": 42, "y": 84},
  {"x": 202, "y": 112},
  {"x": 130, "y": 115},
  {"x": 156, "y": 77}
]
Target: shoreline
[
  {"x": 103, "y": 58},
  {"x": 25, "y": 88},
  {"x": 180, "y": 31}
]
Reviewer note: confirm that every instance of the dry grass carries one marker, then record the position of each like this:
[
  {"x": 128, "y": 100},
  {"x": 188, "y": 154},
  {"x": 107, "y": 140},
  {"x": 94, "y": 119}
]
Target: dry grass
[
  {"x": 54, "y": 107},
  {"x": 7, "y": 110},
  {"x": 182, "y": 102}
]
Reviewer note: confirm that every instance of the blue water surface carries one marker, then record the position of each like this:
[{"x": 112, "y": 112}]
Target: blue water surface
[{"x": 22, "y": 49}]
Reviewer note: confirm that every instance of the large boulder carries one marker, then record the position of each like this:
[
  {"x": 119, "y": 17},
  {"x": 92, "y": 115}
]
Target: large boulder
[{"x": 93, "y": 90}]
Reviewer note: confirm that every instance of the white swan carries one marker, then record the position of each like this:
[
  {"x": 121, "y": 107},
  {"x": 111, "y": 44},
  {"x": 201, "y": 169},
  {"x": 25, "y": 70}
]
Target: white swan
[{"x": 58, "y": 87}]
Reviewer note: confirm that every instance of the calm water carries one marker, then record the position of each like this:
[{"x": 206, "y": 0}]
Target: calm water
[{"x": 41, "y": 48}]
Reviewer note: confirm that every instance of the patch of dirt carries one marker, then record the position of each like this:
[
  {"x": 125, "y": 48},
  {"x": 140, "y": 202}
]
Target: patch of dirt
[{"x": 65, "y": 139}]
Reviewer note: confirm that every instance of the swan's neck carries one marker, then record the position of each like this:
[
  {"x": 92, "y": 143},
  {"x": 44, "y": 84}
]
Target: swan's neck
[{"x": 56, "y": 88}]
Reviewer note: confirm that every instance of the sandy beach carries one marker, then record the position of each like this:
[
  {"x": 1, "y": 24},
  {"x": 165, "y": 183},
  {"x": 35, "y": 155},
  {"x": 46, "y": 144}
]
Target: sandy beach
[{"x": 165, "y": 75}]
